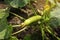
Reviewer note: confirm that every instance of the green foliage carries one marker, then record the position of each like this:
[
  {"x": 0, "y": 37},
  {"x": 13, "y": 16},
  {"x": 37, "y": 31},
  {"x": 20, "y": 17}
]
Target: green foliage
[
  {"x": 49, "y": 19},
  {"x": 17, "y": 3},
  {"x": 27, "y": 37},
  {"x": 13, "y": 38},
  {"x": 5, "y": 29},
  {"x": 52, "y": 1},
  {"x": 55, "y": 17},
  {"x": 3, "y": 13}
]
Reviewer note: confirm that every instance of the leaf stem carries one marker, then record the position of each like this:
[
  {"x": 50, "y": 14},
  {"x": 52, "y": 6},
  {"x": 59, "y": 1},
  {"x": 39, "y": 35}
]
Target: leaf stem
[
  {"x": 19, "y": 31},
  {"x": 17, "y": 16}
]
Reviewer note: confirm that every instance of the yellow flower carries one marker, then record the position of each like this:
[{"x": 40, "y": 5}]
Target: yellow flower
[{"x": 46, "y": 7}]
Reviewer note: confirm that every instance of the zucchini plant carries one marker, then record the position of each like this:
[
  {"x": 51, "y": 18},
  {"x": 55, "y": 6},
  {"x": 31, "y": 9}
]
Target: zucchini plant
[{"x": 49, "y": 20}]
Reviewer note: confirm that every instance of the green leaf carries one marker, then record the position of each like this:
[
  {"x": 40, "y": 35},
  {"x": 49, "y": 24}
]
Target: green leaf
[
  {"x": 3, "y": 13},
  {"x": 17, "y": 3},
  {"x": 13, "y": 38},
  {"x": 52, "y": 1},
  {"x": 5, "y": 29},
  {"x": 54, "y": 23},
  {"x": 58, "y": 4},
  {"x": 8, "y": 31},
  {"x": 55, "y": 12},
  {"x": 55, "y": 17}
]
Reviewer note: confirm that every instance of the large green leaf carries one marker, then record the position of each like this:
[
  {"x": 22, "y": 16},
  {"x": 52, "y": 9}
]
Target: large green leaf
[
  {"x": 17, "y": 3},
  {"x": 5, "y": 29},
  {"x": 55, "y": 17}
]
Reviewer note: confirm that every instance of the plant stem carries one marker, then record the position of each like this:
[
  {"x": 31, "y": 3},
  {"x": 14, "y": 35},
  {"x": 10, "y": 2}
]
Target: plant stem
[
  {"x": 17, "y": 16},
  {"x": 52, "y": 33},
  {"x": 16, "y": 25},
  {"x": 33, "y": 9},
  {"x": 19, "y": 31}
]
